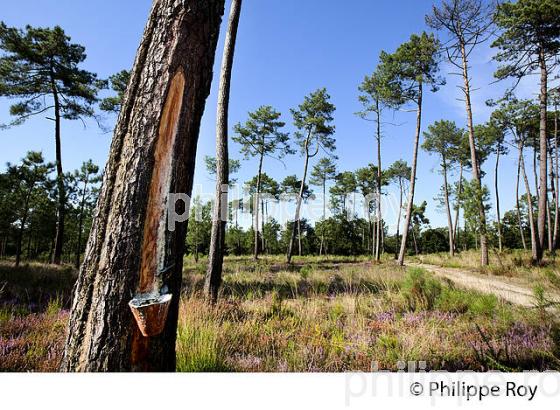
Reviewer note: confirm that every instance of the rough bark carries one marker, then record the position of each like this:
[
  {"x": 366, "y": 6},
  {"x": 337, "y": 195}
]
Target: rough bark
[
  {"x": 410, "y": 203},
  {"x": 154, "y": 146},
  {"x": 543, "y": 146},
  {"x": 217, "y": 239},
  {"x": 474, "y": 158}
]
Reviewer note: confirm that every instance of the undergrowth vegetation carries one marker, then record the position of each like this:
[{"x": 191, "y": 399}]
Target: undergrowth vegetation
[{"x": 331, "y": 314}]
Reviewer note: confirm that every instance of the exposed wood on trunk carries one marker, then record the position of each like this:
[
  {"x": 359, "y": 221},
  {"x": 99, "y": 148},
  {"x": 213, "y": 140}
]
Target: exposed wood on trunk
[{"x": 179, "y": 41}]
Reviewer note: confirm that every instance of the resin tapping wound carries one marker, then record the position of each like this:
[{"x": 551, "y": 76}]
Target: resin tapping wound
[{"x": 153, "y": 245}]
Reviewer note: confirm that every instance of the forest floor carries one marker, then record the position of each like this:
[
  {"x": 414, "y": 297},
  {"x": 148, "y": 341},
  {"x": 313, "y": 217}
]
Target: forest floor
[{"x": 319, "y": 314}]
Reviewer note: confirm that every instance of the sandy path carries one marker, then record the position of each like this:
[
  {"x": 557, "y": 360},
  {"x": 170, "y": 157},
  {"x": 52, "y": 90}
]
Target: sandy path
[{"x": 511, "y": 292}]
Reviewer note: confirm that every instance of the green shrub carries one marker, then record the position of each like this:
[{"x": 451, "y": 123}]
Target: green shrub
[
  {"x": 420, "y": 289},
  {"x": 453, "y": 300},
  {"x": 483, "y": 304},
  {"x": 462, "y": 301},
  {"x": 198, "y": 348}
]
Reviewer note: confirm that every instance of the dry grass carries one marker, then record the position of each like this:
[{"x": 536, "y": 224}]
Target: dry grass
[
  {"x": 337, "y": 314},
  {"x": 353, "y": 316}
]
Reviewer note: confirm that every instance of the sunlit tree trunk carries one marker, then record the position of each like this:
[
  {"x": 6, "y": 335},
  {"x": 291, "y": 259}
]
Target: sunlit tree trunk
[
  {"x": 498, "y": 218},
  {"x": 533, "y": 229},
  {"x": 518, "y": 206},
  {"x": 217, "y": 239},
  {"x": 448, "y": 209},
  {"x": 543, "y": 145},
  {"x": 130, "y": 250},
  {"x": 410, "y": 203},
  {"x": 474, "y": 159}
]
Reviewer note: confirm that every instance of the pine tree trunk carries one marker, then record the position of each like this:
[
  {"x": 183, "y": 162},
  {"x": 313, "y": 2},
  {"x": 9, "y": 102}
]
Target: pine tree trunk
[
  {"x": 19, "y": 238},
  {"x": 543, "y": 146},
  {"x": 217, "y": 239},
  {"x": 556, "y": 180},
  {"x": 81, "y": 225},
  {"x": 410, "y": 203},
  {"x": 299, "y": 237},
  {"x": 298, "y": 205},
  {"x": 458, "y": 205},
  {"x": 518, "y": 207},
  {"x": 324, "y": 214},
  {"x": 498, "y": 219},
  {"x": 399, "y": 218},
  {"x": 61, "y": 199},
  {"x": 256, "y": 209},
  {"x": 533, "y": 229},
  {"x": 130, "y": 250},
  {"x": 378, "y": 188},
  {"x": 474, "y": 160},
  {"x": 448, "y": 209}
]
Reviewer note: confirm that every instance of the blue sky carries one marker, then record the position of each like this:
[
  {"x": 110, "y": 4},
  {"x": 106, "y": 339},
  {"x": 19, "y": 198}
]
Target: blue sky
[{"x": 285, "y": 49}]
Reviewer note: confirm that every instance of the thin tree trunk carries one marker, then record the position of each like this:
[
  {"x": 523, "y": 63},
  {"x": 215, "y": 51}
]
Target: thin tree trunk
[
  {"x": 324, "y": 215},
  {"x": 518, "y": 207},
  {"x": 498, "y": 219},
  {"x": 81, "y": 224},
  {"x": 213, "y": 278},
  {"x": 534, "y": 233},
  {"x": 458, "y": 205},
  {"x": 549, "y": 225},
  {"x": 416, "y": 251},
  {"x": 299, "y": 201},
  {"x": 543, "y": 145},
  {"x": 130, "y": 248},
  {"x": 535, "y": 174},
  {"x": 256, "y": 208},
  {"x": 263, "y": 242},
  {"x": 474, "y": 160},
  {"x": 399, "y": 218},
  {"x": 556, "y": 180},
  {"x": 378, "y": 187},
  {"x": 448, "y": 209},
  {"x": 19, "y": 239},
  {"x": 299, "y": 236},
  {"x": 410, "y": 203},
  {"x": 61, "y": 199}
]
